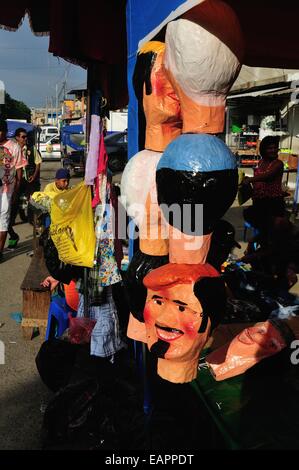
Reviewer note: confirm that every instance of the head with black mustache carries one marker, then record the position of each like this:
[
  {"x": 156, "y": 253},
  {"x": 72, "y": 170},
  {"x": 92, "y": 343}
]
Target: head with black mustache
[{"x": 184, "y": 303}]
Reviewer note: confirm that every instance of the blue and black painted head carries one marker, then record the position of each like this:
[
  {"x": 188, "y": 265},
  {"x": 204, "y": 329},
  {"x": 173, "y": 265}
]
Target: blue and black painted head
[{"x": 197, "y": 169}]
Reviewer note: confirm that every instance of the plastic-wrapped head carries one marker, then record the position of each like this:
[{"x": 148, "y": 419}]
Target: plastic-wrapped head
[{"x": 203, "y": 56}]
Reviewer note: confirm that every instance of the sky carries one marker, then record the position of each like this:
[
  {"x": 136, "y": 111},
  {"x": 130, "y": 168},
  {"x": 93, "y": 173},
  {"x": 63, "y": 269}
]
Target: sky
[{"x": 29, "y": 72}]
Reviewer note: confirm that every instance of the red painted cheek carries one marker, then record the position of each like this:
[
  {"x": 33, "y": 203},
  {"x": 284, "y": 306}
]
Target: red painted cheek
[
  {"x": 158, "y": 84},
  {"x": 147, "y": 315},
  {"x": 190, "y": 329}
]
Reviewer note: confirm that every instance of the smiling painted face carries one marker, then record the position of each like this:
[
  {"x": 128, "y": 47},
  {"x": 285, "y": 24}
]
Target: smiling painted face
[
  {"x": 184, "y": 302},
  {"x": 173, "y": 318}
]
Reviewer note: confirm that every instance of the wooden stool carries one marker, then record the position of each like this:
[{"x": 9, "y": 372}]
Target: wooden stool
[{"x": 36, "y": 299}]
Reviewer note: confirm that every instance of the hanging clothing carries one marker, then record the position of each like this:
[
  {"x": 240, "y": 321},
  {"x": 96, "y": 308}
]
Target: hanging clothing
[
  {"x": 101, "y": 177},
  {"x": 105, "y": 337},
  {"x": 106, "y": 270},
  {"x": 91, "y": 167}
]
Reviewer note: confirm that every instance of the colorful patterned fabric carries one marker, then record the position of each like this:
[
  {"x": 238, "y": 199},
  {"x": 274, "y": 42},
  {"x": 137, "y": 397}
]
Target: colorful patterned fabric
[{"x": 106, "y": 269}]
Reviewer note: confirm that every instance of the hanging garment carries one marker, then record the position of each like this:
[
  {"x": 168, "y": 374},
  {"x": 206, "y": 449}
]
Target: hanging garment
[
  {"x": 101, "y": 176},
  {"x": 91, "y": 169},
  {"x": 105, "y": 271},
  {"x": 105, "y": 337}
]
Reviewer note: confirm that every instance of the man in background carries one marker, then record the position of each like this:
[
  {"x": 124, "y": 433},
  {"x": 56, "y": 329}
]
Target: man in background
[
  {"x": 11, "y": 165},
  {"x": 30, "y": 179}
]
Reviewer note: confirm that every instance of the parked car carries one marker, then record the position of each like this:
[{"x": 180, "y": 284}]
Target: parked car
[
  {"x": 46, "y": 132},
  {"x": 73, "y": 148},
  {"x": 51, "y": 150},
  {"x": 116, "y": 144}
]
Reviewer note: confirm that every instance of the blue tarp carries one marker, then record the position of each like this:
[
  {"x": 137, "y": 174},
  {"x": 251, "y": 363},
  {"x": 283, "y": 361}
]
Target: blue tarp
[
  {"x": 14, "y": 125},
  {"x": 76, "y": 129},
  {"x": 66, "y": 136}
]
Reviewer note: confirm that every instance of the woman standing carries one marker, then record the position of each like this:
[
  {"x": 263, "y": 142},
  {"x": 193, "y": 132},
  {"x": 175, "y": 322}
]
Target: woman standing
[{"x": 268, "y": 195}]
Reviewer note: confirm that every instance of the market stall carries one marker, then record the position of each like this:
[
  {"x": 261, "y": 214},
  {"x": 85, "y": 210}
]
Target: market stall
[{"x": 87, "y": 40}]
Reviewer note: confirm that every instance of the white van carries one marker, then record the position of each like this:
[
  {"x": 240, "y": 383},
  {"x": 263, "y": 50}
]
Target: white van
[{"x": 47, "y": 132}]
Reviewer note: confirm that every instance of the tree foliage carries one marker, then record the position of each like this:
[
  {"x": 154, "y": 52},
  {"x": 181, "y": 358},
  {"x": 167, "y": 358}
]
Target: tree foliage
[{"x": 14, "y": 109}]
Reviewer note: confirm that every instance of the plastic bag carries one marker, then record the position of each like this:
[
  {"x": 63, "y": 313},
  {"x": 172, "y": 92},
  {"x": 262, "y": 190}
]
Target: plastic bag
[
  {"x": 80, "y": 329},
  {"x": 72, "y": 227}
]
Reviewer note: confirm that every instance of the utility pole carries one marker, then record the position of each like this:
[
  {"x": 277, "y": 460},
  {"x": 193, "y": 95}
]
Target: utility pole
[
  {"x": 52, "y": 116},
  {"x": 46, "y": 110},
  {"x": 56, "y": 104}
]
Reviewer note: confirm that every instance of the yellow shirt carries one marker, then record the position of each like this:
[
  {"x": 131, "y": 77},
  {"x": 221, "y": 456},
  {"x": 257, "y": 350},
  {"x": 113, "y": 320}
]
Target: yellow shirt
[{"x": 51, "y": 187}]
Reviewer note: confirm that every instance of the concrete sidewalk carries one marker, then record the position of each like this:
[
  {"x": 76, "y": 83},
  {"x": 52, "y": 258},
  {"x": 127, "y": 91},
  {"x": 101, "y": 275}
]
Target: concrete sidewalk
[{"x": 22, "y": 394}]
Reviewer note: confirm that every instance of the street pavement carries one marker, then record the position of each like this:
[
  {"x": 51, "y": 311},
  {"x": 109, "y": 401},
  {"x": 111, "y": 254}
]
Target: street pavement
[{"x": 23, "y": 396}]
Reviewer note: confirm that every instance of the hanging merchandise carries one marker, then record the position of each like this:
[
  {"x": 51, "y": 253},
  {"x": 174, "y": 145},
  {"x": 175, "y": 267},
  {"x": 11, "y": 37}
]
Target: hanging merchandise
[
  {"x": 184, "y": 304},
  {"x": 157, "y": 97},
  {"x": 94, "y": 139},
  {"x": 196, "y": 176},
  {"x": 253, "y": 344},
  {"x": 203, "y": 57},
  {"x": 72, "y": 227},
  {"x": 106, "y": 271},
  {"x": 105, "y": 337},
  {"x": 101, "y": 176},
  {"x": 80, "y": 329}
]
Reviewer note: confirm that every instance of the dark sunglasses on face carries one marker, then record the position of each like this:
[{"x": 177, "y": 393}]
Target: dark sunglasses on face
[{"x": 23, "y": 136}]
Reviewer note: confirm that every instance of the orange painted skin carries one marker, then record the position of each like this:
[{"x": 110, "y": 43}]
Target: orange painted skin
[
  {"x": 187, "y": 249},
  {"x": 162, "y": 109},
  {"x": 247, "y": 349},
  {"x": 136, "y": 329},
  {"x": 153, "y": 237},
  {"x": 198, "y": 117},
  {"x": 174, "y": 315}
]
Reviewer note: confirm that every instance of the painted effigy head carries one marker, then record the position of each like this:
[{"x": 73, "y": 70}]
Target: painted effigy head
[
  {"x": 184, "y": 303},
  {"x": 157, "y": 97},
  {"x": 203, "y": 57},
  {"x": 139, "y": 196},
  {"x": 197, "y": 182}
]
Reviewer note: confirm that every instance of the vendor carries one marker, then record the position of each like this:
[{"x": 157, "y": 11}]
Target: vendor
[{"x": 61, "y": 183}]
